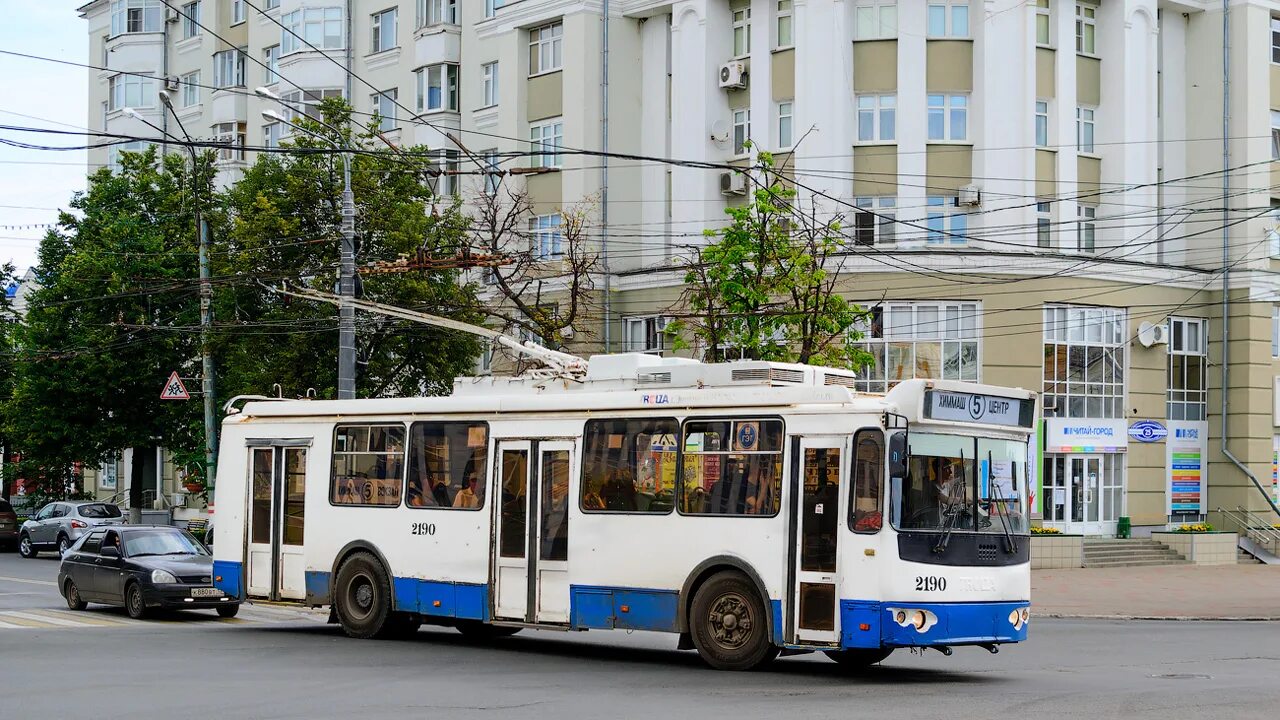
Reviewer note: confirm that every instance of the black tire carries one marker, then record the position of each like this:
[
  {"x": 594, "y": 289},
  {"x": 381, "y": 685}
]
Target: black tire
[
  {"x": 25, "y": 548},
  {"x": 854, "y": 658},
  {"x": 362, "y": 597},
  {"x": 64, "y": 544},
  {"x": 134, "y": 603},
  {"x": 228, "y": 611},
  {"x": 400, "y": 626},
  {"x": 476, "y": 630},
  {"x": 729, "y": 624},
  {"x": 72, "y": 594}
]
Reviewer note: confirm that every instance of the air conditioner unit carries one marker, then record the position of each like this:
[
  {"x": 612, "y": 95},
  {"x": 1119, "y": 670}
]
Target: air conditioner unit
[
  {"x": 1151, "y": 334},
  {"x": 178, "y": 499},
  {"x": 733, "y": 183},
  {"x": 171, "y": 15},
  {"x": 171, "y": 83},
  {"x": 969, "y": 196},
  {"x": 733, "y": 75}
]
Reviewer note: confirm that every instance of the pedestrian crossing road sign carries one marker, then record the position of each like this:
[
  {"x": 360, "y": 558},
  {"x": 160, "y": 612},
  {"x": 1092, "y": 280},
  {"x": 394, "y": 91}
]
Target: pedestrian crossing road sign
[{"x": 174, "y": 389}]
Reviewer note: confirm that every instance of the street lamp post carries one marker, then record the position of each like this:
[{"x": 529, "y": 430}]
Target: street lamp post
[
  {"x": 347, "y": 266},
  {"x": 206, "y": 299}
]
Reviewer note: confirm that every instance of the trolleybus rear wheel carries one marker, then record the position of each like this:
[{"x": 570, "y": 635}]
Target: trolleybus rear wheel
[
  {"x": 362, "y": 596},
  {"x": 859, "y": 657},
  {"x": 729, "y": 624}
]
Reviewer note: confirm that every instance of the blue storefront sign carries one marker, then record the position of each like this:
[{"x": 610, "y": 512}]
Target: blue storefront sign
[{"x": 1148, "y": 431}]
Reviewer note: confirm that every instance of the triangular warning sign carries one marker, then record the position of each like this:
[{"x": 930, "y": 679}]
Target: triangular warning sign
[{"x": 174, "y": 389}]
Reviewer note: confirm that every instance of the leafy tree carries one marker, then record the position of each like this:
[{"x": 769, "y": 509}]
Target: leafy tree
[{"x": 766, "y": 287}]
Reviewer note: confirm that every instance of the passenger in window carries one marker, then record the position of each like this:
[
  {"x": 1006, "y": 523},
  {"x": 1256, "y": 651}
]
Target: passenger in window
[
  {"x": 592, "y": 501},
  {"x": 440, "y": 492},
  {"x": 619, "y": 491},
  {"x": 760, "y": 500},
  {"x": 414, "y": 496},
  {"x": 467, "y": 496}
]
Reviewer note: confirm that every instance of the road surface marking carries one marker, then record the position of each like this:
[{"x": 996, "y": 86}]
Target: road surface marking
[
  {"x": 36, "y": 616},
  {"x": 28, "y": 581}
]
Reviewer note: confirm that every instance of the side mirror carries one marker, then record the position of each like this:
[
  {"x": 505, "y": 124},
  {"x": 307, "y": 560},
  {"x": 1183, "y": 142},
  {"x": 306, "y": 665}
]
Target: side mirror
[
  {"x": 111, "y": 552},
  {"x": 898, "y": 455}
]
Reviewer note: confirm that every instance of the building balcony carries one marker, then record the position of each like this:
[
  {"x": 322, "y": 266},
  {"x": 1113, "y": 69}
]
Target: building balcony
[
  {"x": 437, "y": 44},
  {"x": 228, "y": 105},
  {"x": 311, "y": 70},
  {"x": 135, "y": 52}
]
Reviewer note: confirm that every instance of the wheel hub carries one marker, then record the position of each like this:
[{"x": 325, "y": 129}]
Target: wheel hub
[{"x": 730, "y": 621}]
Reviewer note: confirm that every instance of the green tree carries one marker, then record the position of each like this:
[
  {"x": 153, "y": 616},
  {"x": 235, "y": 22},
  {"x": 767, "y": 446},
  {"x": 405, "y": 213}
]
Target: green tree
[
  {"x": 280, "y": 224},
  {"x": 766, "y": 286},
  {"x": 107, "y": 325}
]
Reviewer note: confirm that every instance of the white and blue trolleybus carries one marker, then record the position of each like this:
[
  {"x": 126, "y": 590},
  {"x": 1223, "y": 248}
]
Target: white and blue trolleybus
[{"x": 751, "y": 508}]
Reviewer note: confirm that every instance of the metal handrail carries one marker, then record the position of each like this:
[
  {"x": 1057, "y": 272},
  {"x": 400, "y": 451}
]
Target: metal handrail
[{"x": 1252, "y": 525}]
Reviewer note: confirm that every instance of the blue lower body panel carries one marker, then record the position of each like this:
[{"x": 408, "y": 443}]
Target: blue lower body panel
[
  {"x": 598, "y": 607},
  {"x": 469, "y": 601},
  {"x": 228, "y": 576},
  {"x": 896, "y": 624}
]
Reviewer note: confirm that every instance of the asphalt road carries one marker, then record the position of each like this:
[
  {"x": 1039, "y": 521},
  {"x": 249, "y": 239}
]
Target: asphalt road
[{"x": 278, "y": 663}]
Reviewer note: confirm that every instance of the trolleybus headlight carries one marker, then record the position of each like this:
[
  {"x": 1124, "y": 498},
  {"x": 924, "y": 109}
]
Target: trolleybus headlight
[
  {"x": 1018, "y": 618},
  {"x": 1026, "y": 615},
  {"x": 901, "y": 617},
  {"x": 918, "y": 619}
]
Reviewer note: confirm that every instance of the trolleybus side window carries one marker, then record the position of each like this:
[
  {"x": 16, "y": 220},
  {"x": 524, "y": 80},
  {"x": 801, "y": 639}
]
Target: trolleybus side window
[
  {"x": 731, "y": 467},
  {"x": 868, "y": 481},
  {"x": 448, "y": 464},
  {"x": 368, "y": 465},
  {"x": 629, "y": 466}
]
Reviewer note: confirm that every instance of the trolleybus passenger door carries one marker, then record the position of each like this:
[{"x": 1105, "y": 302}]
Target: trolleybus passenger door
[
  {"x": 276, "y": 517},
  {"x": 532, "y": 560},
  {"x": 813, "y": 616}
]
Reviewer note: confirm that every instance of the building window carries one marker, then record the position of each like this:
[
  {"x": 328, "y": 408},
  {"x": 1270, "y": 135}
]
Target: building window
[
  {"x": 1273, "y": 234},
  {"x": 321, "y": 27},
  {"x": 231, "y": 137},
  {"x": 447, "y": 181},
  {"x": 1188, "y": 358},
  {"x": 190, "y": 20},
  {"x": 1042, "y": 22},
  {"x": 784, "y": 125},
  {"x": 629, "y": 466},
  {"x": 949, "y": 19},
  {"x": 741, "y": 32},
  {"x": 875, "y": 20},
  {"x": 783, "y": 36},
  {"x": 1044, "y": 225},
  {"x": 544, "y": 48},
  {"x": 271, "y": 58},
  {"x": 1275, "y": 331},
  {"x": 1084, "y": 362},
  {"x": 384, "y": 106},
  {"x": 228, "y": 68},
  {"x": 1086, "y": 28},
  {"x": 732, "y": 467},
  {"x": 547, "y": 238},
  {"x": 437, "y": 88},
  {"x": 493, "y": 171},
  {"x": 919, "y": 340},
  {"x": 1084, "y": 129},
  {"x": 875, "y": 227},
  {"x": 384, "y": 31},
  {"x": 368, "y": 465},
  {"x": 741, "y": 130},
  {"x": 113, "y": 153},
  {"x": 448, "y": 463},
  {"x": 1042, "y": 123},
  {"x": 1275, "y": 134},
  {"x": 877, "y": 118},
  {"x": 106, "y": 108},
  {"x": 191, "y": 89},
  {"x": 437, "y": 12},
  {"x": 945, "y": 222},
  {"x": 136, "y": 16},
  {"x": 489, "y": 73},
  {"x": 270, "y": 4},
  {"x": 271, "y": 134},
  {"x": 237, "y": 11},
  {"x": 645, "y": 334},
  {"x": 948, "y": 117},
  {"x": 308, "y": 101},
  {"x": 545, "y": 139},
  {"x": 1086, "y": 227},
  {"x": 132, "y": 91},
  {"x": 491, "y": 7}
]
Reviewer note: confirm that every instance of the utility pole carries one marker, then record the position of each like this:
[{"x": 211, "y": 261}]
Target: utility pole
[{"x": 347, "y": 289}]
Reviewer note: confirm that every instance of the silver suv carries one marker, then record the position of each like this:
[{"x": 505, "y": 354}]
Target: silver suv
[{"x": 59, "y": 524}]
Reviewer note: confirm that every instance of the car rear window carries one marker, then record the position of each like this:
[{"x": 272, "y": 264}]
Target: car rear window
[
  {"x": 5, "y": 507},
  {"x": 99, "y": 510}
]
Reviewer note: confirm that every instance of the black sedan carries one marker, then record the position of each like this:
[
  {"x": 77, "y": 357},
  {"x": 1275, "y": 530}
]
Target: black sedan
[{"x": 141, "y": 567}]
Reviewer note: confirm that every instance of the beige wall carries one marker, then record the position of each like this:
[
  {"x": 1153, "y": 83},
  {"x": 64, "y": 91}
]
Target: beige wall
[
  {"x": 1275, "y": 86},
  {"x": 784, "y": 75},
  {"x": 950, "y": 66},
  {"x": 1088, "y": 174},
  {"x": 949, "y": 167},
  {"x": 1046, "y": 82},
  {"x": 875, "y": 66},
  {"x": 1088, "y": 80},
  {"x": 875, "y": 170},
  {"x": 545, "y": 96},
  {"x": 1046, "y": 174},
  {"x": 545, "y": 192},
  {"x": 739, "y": 98}
]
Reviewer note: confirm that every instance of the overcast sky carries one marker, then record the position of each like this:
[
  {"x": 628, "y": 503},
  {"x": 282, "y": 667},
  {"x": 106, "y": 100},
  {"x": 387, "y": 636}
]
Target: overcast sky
[{"x": 37, "y": 93}]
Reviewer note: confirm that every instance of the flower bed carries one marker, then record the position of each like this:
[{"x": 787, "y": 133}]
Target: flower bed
[
  {"x": 1050, "y": 548},
  {"x": 1202, "y": 547}
]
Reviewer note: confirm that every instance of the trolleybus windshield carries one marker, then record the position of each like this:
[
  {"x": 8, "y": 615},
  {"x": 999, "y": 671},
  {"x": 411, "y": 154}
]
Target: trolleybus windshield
[{"x": 962, "y": 483}]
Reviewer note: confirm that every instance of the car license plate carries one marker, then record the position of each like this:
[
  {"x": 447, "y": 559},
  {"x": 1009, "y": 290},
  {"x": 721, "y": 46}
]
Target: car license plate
[{"x": 206, "y": 592}]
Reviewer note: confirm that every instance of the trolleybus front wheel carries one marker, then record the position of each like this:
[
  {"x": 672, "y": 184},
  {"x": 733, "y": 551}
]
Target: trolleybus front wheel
[
  {"x": 859, "y": 657},
  {"x": 729, "y": 624}
]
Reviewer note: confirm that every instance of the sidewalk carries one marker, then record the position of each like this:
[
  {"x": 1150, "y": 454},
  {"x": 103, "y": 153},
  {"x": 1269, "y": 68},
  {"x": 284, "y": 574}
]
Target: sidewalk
[{"x": 1215, "y": 592}]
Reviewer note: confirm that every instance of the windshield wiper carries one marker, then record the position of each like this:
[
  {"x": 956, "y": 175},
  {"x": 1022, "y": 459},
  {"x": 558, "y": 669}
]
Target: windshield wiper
[
  {"x": 997, "y": 496},
  {"x": 953, "y": 508}
]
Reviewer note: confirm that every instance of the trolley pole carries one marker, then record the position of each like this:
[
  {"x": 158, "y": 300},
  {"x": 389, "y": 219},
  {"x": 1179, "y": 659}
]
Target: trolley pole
[{"x": 347, "y": 289}]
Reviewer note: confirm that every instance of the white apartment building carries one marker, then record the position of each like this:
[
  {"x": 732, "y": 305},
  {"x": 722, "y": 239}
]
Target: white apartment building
[{"x": 1044, "y": 177}]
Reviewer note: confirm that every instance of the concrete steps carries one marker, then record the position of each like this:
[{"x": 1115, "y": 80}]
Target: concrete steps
[
  {"x": 1137, "y": 552},
  {"x": 1244, "y": 558}
]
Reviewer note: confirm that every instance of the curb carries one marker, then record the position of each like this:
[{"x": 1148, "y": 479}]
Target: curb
[{"x": 1177, "y": 618}]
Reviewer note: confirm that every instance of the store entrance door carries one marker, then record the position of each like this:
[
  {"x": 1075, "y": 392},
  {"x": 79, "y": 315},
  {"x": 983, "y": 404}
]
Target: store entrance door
[{"x": 1083, "y": 493}]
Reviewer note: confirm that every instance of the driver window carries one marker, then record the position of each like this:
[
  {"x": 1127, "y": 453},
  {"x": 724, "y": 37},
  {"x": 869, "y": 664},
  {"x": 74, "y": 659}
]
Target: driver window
[
  {"x": 92, "y": 543},
  {"x": 865, "y": 513},
  {"x": 46, "y": 512},
  {"x": 112, "y": 540}
]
